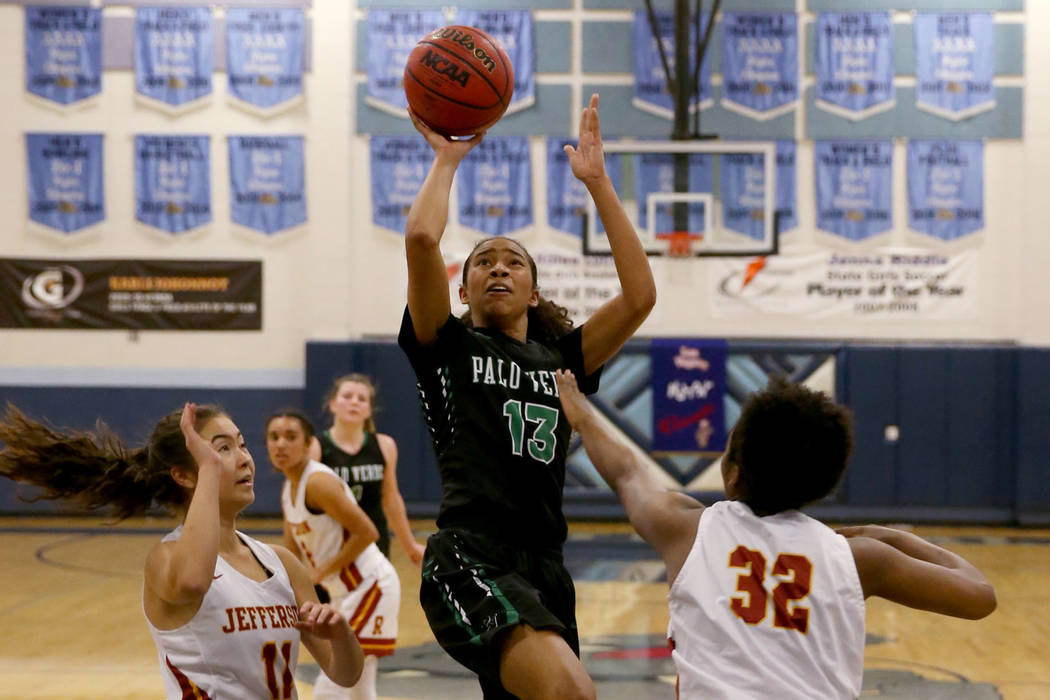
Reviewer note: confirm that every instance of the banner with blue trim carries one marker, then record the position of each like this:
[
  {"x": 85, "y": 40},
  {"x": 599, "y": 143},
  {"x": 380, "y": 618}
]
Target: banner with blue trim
[
  {"x": 399, "y": 164},
  {"x": 688, "y": 385},
  {"x": 743, "y": 179},
  {"x": 173, "y": 56},
  {"x": 855, "y": 63},
  {"x": 66, "y": 188},
  {"x": 946, "y": 188},
  {"x": 173, "y": 182},
  {"x": 264, "y": 57},
  {"x": 390, "y": 37},
  {"x": 854, "y": 188},
  {"x": 654, "y": 175},
  {"x": 760, "y": 63},
  {"x": 63, "y": 53},
  {"x": 513, "y": 30},
  {"x": 955, "y": 63},
  {"x": 494, "y": 185},
  {"x": 267, "y": 182},
  {"x": 567, "y": 197},
  {"x": 650, "y": 80}
]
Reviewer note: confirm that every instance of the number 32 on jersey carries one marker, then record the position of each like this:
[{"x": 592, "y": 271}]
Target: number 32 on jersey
[{"x": 794, "y": 573}]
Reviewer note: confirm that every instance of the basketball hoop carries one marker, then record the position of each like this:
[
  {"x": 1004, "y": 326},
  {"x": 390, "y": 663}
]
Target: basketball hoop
[{"x": 680, "y": 243}]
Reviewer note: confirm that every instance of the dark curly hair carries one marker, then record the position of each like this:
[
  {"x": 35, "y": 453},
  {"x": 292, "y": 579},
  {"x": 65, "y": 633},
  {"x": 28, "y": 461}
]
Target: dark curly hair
[
  {"x": 548, "y": 321},
  {"x": 95, "y": 469},
  {"x": 791, "y": 445}
]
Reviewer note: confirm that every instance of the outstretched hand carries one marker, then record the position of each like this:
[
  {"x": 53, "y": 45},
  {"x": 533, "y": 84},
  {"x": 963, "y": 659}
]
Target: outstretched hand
[
  {"x": 574, "y": 404},
  {"x": 587, "y": 160},
  {"x": 321, "y": 620},
  {"x": 443, "y": 144},
  {"x": 202, "y": 452}
]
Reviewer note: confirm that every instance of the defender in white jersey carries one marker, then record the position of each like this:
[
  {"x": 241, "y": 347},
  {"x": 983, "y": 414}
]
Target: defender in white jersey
[
  {"x": 336, "y": 541},
  {"x": 226, "y": 612},
  {"x": 766, "y": 602}
]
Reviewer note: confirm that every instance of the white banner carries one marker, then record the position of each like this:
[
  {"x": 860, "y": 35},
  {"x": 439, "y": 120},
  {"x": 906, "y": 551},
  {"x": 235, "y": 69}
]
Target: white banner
[
  {"x": 578, "y": 282},
  {"x": 887, "y": 284}
]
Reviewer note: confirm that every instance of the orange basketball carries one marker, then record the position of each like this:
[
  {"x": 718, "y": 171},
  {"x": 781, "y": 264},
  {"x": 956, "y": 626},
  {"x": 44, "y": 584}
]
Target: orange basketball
[{"x": 458, "y": 80}]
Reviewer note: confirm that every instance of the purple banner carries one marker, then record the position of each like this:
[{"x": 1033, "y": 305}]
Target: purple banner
[{"x": 688, "y": 382}]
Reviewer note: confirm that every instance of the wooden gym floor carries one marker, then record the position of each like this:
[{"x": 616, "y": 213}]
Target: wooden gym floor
[{"x": 70, "y": 605}]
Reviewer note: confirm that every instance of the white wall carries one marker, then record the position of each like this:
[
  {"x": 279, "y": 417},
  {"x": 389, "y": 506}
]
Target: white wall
[{"x": 344, "y": 279}]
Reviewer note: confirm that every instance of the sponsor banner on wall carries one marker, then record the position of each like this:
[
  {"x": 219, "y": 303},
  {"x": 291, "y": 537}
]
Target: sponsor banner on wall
[
  {"x": 104, "y": 294},
  {"x": 854, "y": 188},
  {"x": 855, "y": 63},
  {"x": 66, "y": 188},
  {"x": 688, "y": 384},
  {"x": 63, "y": 53},
  {"x": 264, "y": 57},
  {"x": 946, "y": 188},
  {"x": 890, "y": 284},
  {"x": 173, "y": 56},
  {"x": 267, "y": 182},
  {"x": 655, "y": 175},
  {"x": 580, "y": 283},
  {"x": 494, "y": 186},
  {"x": 399, "y": 164},
  {"x": 955, "y": 63},
  {"x": 173, "y": 182},
  {"x": 650, "y": 79},
  {"x": 392, "y": 34},
  {"x": 566, "y": 196},
  {"x": 760, "y": 76},
  {"x": 743, "y": 177}
]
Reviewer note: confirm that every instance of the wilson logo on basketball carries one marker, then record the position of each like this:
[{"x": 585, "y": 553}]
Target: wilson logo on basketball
[
  {"x": 440, "y": 64},
  {"x": 467, "y": 42}
]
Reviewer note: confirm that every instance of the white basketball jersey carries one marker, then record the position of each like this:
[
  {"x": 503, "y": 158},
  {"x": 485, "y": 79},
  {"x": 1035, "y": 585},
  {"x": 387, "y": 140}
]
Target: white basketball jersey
[
  {"x": 320, "y": 537},
  {"x": 241, "y": 643},
  {"x": 767, "y": 607}
]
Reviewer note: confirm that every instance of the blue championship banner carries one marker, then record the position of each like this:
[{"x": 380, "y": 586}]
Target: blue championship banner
[
  {"x": 954, "y": 64},
  {"x": 267, "y": 182},
  {"x": 173, "y": 56},
  {"x": 688, "y": 383},
  {"x": 855, "y": 63},
  {"x": 264, "y": 57},
  {"x": 63, "y": 53},
  {"x": 654, "y": 173},
  {"x": 173, "y": 182},
  {"x": 760, "y": 63},
  {"x": 946, "y": 188},
  {"x": 66, "y": 190},
  {"x": 399, "y": 164},
  {"x": 391, "y": 35},
  {"x": 650, "y": 80},
  {"x": 854, "y": 188},
  {"x": 105, "y": 294},
  {"x": 494, "y": 185},
  {"x": 513, "y": 30},
  {"x": 566, "y": 196},
  {"x": 743, "y": 178}
]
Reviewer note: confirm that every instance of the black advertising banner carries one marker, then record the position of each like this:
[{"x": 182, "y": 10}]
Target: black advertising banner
[{"x": 103, "y": 294}]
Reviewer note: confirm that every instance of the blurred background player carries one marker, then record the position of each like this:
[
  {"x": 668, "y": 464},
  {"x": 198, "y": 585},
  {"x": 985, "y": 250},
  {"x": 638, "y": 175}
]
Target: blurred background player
[
  {"x": 766, "y": 601},
  {"x": 226, "y": 611},
  {"x": 494, "y": 587},
  {"x": 365, "y": 459},
  {"x": 335, "y": 540}
]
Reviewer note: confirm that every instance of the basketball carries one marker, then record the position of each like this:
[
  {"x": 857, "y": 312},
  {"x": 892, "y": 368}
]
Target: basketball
[{"x": 459, "y": 80}]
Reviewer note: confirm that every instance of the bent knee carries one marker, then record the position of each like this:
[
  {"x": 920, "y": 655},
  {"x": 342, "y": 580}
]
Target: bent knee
[{"x": 572, "y": 684}]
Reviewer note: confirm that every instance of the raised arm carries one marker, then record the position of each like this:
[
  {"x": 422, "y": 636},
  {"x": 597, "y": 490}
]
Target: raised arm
[
  {"x": 616, "y": 320},
  {"x": 906, "y": 569},
  {"x": 325, "y": 632},
  {"x": 394, "y": 505},
  {"x": 428, "y": 301},
  {"x": 179, "y": 573},
  {"x": 327, "y": 492},
  {"x": 665, "y": 519}
]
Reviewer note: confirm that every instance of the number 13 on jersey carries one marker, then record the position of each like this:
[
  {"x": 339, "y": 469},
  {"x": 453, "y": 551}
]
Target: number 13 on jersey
[
  {"x": 541, "y": 445},
  {"x": 752, "y": 608}
]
